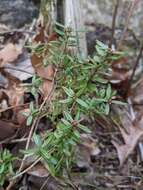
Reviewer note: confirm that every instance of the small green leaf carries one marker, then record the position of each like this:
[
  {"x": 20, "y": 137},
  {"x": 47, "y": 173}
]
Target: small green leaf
[
  {"x": 108, "y": 92},
  {"x": 101, "y": 45},
  {"x": 100, "y": 80},
  {"x": 66, "y": 101},
  {"x": 59, "y": 24},
  {"x": 2, "y": 168},
  {"x": 29, "y": 120},
  {"x": 100, "y": 51},
  {"x": 53, "y": 160},
  {"x": 29, "y": 152},
  {"x": 26, "y": 114},
  {"x": 37, "y": 139},
  {"x": 45, "y": 154},
  {"x": 82, "y": 103},
  {"x": 100, "y": 100},
  {"x": 58, "y": 134},
  {"x": 77, "y": 134},
  {"x": 68, "y": 116},
  {"x": 77, "y": 117},
  {"x": 66, "y": 122},
  {"x": 68, "y": 91},
  {"x": 84, "y": 128},
  {"x": 31, "y": 106},
  {"x": 33, "y": 91},
  {"x": 61, "y": 33},
  {"x": 107, "y": 109},
  {"x": 96, "y": 59},
  {"x": 119, "y": 102}
]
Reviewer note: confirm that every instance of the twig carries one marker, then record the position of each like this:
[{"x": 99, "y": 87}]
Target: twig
[
  {"x": 17, "y": 69},
  {"x": 114, "y": 22},
  {"x": 12, "y": 107},
  {"x": 36, "y": 120},
  {"x": 14, "y": 181},
  {"x": 44, "y": 184},
  {"x": 16, "y": 30},
  {"x": 18, "y": 140},
  {"x": 131, "y": 9},
  {"x": 28, "y": 168},
  {"x": 7, "y": 140},
  {"x": 134, "y": 69}
]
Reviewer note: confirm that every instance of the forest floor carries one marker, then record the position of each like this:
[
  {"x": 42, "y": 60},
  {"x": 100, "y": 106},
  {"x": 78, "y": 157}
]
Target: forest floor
[{"x": 111, "y": 157}]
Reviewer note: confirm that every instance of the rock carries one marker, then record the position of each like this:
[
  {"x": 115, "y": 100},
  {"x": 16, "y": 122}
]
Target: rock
[{"x": 17, "y": 13}]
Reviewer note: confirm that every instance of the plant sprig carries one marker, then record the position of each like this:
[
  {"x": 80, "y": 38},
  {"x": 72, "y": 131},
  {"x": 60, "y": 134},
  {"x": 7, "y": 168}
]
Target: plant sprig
[{"x": 81, "y": 89}]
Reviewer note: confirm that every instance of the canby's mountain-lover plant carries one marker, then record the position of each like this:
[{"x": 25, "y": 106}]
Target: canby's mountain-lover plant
[{"x": 78, "y": 90}]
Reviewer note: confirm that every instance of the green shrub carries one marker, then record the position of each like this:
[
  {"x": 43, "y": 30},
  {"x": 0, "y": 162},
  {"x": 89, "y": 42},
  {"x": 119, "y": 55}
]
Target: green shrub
[{"x": 80, "y": 89}]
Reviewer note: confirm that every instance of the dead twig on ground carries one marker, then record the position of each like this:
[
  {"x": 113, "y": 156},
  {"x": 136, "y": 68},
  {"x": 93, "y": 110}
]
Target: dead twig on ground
[{"x": 36, "y": 120}]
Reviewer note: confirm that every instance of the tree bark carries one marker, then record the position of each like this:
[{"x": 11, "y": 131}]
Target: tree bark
[{"x": 74, "y": 18}]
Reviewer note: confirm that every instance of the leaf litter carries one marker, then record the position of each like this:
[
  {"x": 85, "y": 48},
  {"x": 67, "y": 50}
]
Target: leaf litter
[{"x": 96, "y": 152}]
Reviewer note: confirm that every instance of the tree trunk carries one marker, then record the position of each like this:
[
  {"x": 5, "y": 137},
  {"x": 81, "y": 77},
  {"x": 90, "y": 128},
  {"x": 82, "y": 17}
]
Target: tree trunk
[{"x": 74, "y": 18}]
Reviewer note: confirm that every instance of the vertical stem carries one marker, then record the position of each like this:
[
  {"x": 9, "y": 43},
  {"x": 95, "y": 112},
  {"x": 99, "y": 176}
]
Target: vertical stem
[
  {"x": 114, "y": 22},
  {"x": 131, "y": 9},
  {"x": 47, "y": 14},
  {"x": 134, "y": 69},
  {"x": 74, "y": 18}
]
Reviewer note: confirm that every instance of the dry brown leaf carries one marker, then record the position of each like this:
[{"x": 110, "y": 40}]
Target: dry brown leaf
[
  {"x": 131, "y": 134},
  {"x": 137, "y": 91},
  {"x": 87, "y": 147},
  {"x": 46, "y": 88},
  {"x": 39, "y": 170},
  {"x": 21, "y": 118},
  {"x": 120, "y": 61},
  {"x": 9, "y": 53},
  {"x": 119, "y": 74},
  {"x": 13, "y": 89},
  {"x": 46, "y": 73},
  {"x": 22, "y": 69},
  {"x": 15, "y": 94},
  {"x": 7, "y": 130}
]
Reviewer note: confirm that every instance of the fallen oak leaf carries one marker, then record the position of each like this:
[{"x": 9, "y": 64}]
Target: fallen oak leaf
[
  {"x": 119, "y": 74},
  {"x": 7, "y": 130},
  {"x": 119, "y": 61},
  {"x": 46, "y": 73},
  {"x": 38, "y": 170},
  {"x": 15, "y": 95},
  {"x": 9, "y": 53},
  {"x": 13, "y": 90},
  {"x": 131, "y": 136},
  {"x": 22, "y": 69},
  {"x": 21, "y": 117}
]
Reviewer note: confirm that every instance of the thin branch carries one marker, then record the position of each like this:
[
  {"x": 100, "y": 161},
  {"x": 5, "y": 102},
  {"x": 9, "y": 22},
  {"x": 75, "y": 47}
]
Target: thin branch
[
  {"x": 36, "y": 120},
  {"x": 15, "y": 180},
  {"x": 45, "y": 183},
  {"x": 12, "y": 107},
  {"x": 130, "y": 12},
  {"x": 28, "y": 168},
  {"x": 114, "y": 22},
  {"x": 17, "y": 69},
  {"x": 134, "y": 69},
  {"x": 16, "y": 30}
]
